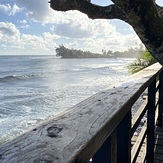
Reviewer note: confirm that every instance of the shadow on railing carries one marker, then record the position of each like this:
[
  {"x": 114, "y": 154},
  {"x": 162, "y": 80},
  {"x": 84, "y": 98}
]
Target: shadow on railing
[{"x": 100, "y": 128}]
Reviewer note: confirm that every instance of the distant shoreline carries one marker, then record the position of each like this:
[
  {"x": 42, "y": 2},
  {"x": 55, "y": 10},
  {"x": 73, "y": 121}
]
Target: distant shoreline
[
  {"x": 64, "y": 52},
  {"x": 94, "y": 57}
]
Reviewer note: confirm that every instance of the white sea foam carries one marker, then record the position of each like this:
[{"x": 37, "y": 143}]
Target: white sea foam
[{"x": 35, "y": 88}]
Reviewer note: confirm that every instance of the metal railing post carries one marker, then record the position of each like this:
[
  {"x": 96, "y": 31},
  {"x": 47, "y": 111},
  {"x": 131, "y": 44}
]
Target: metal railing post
[
  {"x": 151, "y": 122},
  {"x": 160, "y": 107},
  {"x": 124, "y": 140},
  {"x": 103, "y": 155}
]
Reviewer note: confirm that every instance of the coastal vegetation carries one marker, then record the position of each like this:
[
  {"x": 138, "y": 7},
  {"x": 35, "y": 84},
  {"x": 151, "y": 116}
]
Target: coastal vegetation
[
  {"x": 143, "y": 61},
  {"x": 64, "y": 52},
  {"x": 143, "y": 57}
]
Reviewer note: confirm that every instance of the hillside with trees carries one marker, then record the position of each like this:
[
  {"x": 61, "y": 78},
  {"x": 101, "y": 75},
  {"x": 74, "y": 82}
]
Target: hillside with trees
[{"x": 64, "y": 52}]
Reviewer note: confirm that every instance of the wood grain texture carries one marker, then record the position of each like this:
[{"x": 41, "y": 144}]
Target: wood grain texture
[{"x": 78, "y": 133}]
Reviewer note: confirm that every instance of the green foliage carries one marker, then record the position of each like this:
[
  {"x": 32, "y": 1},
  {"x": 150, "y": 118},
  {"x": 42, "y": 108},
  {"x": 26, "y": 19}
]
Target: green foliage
[
  {"x": 64, "y": 52},
  {"x": 145, "y": 60}
]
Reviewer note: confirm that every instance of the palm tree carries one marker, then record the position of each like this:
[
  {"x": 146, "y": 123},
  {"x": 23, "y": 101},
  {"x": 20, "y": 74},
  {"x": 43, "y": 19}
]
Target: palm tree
[{"x": 145, "y": 60}]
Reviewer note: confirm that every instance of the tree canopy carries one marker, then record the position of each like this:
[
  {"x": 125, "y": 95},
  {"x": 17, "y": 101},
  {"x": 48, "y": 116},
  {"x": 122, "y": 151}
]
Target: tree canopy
[
  {"x": 145, "y": 16},
  {"x": 64, "y": 52}
]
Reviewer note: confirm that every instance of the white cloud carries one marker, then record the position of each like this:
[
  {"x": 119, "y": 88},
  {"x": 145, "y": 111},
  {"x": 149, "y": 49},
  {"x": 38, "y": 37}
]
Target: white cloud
[
  {"x": 72, "y": 29},
  {"x": 25, "y": 26},
  {"x": 15, "y": 9},
  {"x": 23, "y": 21},
  {"x": 50, "y": 37},
  {"x": 78, "y": 31},
  {"x": 5, "y": 8},
  {"x": 10, "y": 10},
  {"x": 12, "y": 41},
  {"x": 76, "y": 25},
  {"x": 8, "y": 32},
  {"x": 40, "y": 11},
  {"x": 36, "y": 10}
]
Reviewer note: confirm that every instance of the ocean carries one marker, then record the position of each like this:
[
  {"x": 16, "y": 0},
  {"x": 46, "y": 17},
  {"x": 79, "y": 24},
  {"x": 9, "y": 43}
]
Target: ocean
[{"x": 35, "y": 88}]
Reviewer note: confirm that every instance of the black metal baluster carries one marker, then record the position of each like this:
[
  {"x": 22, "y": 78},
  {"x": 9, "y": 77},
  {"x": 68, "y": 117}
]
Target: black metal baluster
[{"x": 151, "y": 122}]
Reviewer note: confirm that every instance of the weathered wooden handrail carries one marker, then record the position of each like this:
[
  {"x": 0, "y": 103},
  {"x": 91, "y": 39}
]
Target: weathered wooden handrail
[{"x": 99, "y": 128}]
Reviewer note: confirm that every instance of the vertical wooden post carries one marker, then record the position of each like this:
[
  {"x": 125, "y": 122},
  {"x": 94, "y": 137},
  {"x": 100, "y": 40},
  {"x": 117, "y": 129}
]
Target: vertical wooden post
[
  {"x": 114, "y": 146},
  {"x": 160, "y": 107},
  {"x": 124, "y": 140},
  {"x": 103, "y": 155},
  {"x": 151, "y": 122}
]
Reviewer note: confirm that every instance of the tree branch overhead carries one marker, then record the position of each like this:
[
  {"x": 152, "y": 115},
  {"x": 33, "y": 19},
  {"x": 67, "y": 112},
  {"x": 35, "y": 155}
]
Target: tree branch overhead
[{"x": 93, "y": 11}]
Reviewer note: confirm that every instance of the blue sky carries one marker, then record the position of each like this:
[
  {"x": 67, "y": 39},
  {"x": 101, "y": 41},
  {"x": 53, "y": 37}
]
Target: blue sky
[{"x": 32, "y": 27}]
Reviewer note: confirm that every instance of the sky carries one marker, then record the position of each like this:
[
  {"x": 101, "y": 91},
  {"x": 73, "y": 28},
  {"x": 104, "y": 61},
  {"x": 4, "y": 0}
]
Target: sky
[{"x": 32, "y": 27}]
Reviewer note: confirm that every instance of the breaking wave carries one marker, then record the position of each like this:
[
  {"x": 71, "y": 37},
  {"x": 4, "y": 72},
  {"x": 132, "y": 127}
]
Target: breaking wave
[{"x": 11, "y": 78}]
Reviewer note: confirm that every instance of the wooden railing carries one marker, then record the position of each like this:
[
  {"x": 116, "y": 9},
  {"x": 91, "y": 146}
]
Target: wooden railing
[{"x": 100, "y": 128}]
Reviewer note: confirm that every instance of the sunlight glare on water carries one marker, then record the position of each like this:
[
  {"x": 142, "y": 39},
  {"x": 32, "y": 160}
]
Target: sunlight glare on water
[{"x": 34, "y": 88}]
